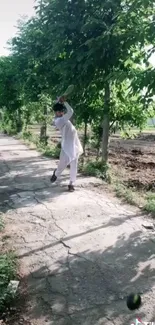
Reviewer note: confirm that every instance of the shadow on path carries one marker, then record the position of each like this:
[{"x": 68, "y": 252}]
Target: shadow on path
[{"x": 90, "y": 288}]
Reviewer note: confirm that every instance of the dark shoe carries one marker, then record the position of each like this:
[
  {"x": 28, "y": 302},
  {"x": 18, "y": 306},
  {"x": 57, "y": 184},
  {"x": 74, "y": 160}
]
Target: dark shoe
[
  {"x": 71, "y": 188},
  {"x": 53, "y": 178}
]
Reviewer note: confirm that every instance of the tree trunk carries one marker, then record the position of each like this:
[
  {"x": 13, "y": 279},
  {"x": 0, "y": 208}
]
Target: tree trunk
[
  {"x": 98, "y": 151},
  {"x": 99, "y": 140},
  {"x": 85, "y": 138},
  {"x": 19, "y": 122},
  {"x": 106, "y": 123},
  {"x": 43, "y": 130}
]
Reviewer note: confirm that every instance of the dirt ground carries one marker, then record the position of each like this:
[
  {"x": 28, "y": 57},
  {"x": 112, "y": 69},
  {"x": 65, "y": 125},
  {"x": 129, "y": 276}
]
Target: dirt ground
[{"x": 134, "y": 161}]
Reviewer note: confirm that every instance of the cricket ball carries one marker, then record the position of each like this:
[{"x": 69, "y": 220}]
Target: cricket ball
[{"x": 134, "y": 301}]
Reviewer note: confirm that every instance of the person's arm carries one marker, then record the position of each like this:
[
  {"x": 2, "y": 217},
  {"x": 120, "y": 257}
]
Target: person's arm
[
  {"x": 61, "y": 121},
  {"x": 69, "y": 113}
]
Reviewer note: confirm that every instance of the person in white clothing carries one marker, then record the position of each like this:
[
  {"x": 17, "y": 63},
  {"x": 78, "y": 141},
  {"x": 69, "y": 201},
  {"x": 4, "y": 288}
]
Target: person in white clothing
[{"x": 71, "y": 147}]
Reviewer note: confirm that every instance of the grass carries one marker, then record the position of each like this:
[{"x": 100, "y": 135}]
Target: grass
[
  {"x": 95, "y": 168},
  {"x": 128, "y": 195},
  {"x": 143, "y": 200},
  {"x": 150, "y": 203}
]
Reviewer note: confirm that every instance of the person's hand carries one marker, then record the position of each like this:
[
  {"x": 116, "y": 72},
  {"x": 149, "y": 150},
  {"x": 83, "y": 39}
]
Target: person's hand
[{"x": 62, "y": 99}]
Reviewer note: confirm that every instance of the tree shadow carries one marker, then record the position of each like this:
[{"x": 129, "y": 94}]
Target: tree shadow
[
  {"x": 23, "y": 178},
  {"x": 90, "y": 287},
  {"x": 112, "y": 223}
]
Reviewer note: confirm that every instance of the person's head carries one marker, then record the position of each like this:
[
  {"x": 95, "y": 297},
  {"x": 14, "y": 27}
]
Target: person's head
[{"x": 59, "y": 109}]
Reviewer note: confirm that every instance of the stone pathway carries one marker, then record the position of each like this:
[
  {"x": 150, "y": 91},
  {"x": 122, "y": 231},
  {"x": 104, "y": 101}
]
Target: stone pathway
[{"x": 81, "y": 253}]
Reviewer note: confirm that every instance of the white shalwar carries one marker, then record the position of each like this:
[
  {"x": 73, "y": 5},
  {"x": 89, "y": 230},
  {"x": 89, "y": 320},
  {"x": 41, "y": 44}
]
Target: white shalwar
[{"x": 71, "y": 147}]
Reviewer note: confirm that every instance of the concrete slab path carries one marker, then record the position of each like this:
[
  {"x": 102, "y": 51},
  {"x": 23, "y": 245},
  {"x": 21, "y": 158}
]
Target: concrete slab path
[{"x": 81, "y": 253}]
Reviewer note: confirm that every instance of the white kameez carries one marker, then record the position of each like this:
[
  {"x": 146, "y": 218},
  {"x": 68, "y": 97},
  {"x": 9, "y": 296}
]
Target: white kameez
[{"x": 71, "y": 147}]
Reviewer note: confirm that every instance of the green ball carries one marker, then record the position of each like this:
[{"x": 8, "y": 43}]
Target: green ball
[{"x": 134, "y": 301}]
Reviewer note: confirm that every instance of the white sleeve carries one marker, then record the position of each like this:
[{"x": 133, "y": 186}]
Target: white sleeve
[
  {"x": 69, "y": 113},
  {"x": 61, "y": 121}
]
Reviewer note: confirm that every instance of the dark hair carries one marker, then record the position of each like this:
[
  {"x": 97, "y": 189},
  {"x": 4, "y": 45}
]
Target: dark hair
[{"x": 58, "y": 107}]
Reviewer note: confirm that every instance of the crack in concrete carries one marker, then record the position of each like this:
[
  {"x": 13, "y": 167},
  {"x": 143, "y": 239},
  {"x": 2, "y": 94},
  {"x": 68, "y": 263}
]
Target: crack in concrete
[
  {"x": 37, "y": 224},
  {"x": 61, "y": 242},
  {"x": 36, "y": 216},
  {"x": 55, "y": 222}
]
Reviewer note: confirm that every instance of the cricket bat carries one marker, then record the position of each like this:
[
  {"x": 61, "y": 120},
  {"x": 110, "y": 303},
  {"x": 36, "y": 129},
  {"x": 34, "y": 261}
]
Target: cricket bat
[{"x": 68, "y": 91}]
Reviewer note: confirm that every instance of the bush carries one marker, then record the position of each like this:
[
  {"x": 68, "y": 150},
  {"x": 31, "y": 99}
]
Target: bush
[
  {"x": 95, "y": 168},
  {"x": 27, "y": 135},
  {"x": 8, "y": 128},
  {"x": 50, "y": 151},
  {"x": 7, "y": 273}
]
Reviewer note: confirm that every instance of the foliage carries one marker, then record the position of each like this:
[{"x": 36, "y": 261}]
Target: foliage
[
  {"x": 47, "y": 150},
  {"x": 7, "y": 273},
  {"x": 150, "y": 203},
  {"x": 51, "y": 151},
  {"x": 8, "y": 123},
  {"x": 99, "y": 46},
  {"x": 10, "y": 100},
  {"x": 96, "y": 169}
]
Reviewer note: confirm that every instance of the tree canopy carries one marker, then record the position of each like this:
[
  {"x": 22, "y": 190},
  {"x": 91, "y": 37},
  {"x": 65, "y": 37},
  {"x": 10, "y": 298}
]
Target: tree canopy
[{"x": 97, "y": 45}]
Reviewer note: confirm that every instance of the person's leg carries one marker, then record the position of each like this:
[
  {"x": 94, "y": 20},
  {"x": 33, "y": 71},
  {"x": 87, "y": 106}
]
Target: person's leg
[
  {"x": 73, "y": 173},
  {"x": 63, "y": 162}
]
